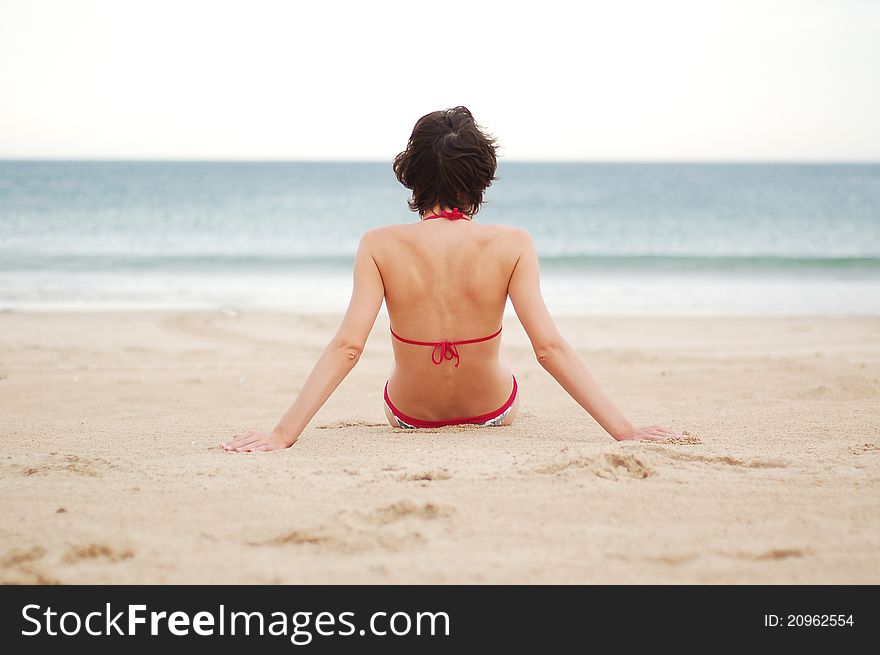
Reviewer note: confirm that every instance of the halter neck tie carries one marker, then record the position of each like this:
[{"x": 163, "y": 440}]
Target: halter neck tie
[{"x": 454, "y": 215}]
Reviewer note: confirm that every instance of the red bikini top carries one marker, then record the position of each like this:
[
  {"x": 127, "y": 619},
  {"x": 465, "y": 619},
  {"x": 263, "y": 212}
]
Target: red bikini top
[
  {"x": 454, "y": 215},
  {"x": 446, "y": 349}
]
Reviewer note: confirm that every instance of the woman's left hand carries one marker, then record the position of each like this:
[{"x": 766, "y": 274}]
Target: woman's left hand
[{"x": 255, "y": 441}]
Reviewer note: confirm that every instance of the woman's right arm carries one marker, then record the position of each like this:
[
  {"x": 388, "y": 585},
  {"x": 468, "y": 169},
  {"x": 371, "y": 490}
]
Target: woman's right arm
[{"x": 558, "y": 357}]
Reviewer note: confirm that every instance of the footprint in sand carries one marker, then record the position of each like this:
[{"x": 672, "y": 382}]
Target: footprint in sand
[
  {"x": 727, "y": 460},
  {"x": 294, "y": 537},
  {"x": 610, "y": 466},
  {"x": 864, "y": 449},
  {"x": 405, "y": 509},
  {"x": 676, "y": 559},
  {"x": 70, "y": 463},
  {"x": 673, "y": 559},
  {"x": 769, "y": 555},
  {"x": 82, "y": 552},
  {"x": 386, "y": 528},
  {"x": 18, "y": 556},
  {"x": 424, "y": 476},
  {"x": 21, "y": 566}
]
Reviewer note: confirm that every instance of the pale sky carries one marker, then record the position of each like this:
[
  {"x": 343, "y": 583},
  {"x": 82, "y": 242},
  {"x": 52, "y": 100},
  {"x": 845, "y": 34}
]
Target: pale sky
[{"x": 614, "y": 80}]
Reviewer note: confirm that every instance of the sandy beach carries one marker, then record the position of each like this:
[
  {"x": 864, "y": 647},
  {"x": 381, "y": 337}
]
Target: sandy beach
[{"x": 111, "y": 470}]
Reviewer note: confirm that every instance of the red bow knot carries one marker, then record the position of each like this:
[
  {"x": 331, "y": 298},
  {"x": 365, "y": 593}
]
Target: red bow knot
[
  {"x": 443, "y": 351},
  {"x": 454, "y": 215}
]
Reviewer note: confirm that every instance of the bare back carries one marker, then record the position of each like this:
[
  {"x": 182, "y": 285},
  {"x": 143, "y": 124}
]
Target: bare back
[{"x": 446, "y": 280}]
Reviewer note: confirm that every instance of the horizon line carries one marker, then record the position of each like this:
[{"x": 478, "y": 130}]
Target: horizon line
[{"x": 196, "y": 160}]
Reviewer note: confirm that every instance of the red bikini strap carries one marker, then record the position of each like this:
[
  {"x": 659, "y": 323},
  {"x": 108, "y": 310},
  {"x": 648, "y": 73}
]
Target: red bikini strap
[
  {"x": 445, "y": 349},
  {"x": 415, "y": 343},
  {"x": 491, "y": 336},
  {"x": 454, "y": 215}
]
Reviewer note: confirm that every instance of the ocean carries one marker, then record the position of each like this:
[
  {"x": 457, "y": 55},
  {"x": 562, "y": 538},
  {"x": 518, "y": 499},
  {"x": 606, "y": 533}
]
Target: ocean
[{"x": 613, "y": 238}]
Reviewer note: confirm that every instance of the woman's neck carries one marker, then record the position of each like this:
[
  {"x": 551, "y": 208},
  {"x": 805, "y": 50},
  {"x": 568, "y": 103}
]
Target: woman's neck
[{"x": 436, "y": 209}]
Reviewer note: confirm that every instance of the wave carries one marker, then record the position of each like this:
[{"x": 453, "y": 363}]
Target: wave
[
  {"x": 163, "y": 262},
  {"x": 712, "y": 262}
]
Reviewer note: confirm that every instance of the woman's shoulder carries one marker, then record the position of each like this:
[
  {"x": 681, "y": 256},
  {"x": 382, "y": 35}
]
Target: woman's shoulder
[
  {"x": 513, "y": 235},
  {"x": 384, "y": 234},
  {"x": 511, "y": 230}
]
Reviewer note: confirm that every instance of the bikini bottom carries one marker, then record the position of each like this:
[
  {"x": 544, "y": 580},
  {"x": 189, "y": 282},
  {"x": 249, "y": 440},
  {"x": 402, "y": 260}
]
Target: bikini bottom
[{"x": 492, "y": 418}]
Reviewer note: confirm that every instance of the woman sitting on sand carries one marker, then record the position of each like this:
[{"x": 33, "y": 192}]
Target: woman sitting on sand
[{"x": 445, "y": 280}]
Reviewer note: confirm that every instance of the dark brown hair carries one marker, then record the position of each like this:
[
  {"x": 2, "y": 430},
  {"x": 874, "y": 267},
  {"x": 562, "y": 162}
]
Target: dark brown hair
[{"x": 449, "y": 160}]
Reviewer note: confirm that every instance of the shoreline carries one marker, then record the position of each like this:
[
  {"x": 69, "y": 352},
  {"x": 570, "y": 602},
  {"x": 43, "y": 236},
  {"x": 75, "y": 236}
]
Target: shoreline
[
  {"x": 111, "y": 460},
  {"x": 234, "y": 310},
  {"x": 572, "y": 294}
]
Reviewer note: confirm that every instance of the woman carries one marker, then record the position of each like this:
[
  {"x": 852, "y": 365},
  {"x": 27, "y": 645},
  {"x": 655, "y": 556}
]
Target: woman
[{"x": 445, "y": 280}]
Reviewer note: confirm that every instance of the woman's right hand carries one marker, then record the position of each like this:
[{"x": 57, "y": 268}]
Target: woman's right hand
[
  {"x": 251, "y": 441},
  {"x": 649, "y": 433}
]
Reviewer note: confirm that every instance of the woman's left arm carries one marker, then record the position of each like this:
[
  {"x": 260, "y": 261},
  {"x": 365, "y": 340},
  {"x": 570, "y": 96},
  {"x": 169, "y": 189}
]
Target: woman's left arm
[{"x": 337, "y": 360}]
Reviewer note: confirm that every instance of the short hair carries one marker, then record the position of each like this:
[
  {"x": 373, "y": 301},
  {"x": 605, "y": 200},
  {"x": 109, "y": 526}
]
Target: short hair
[{"x": 449, "y": 160}]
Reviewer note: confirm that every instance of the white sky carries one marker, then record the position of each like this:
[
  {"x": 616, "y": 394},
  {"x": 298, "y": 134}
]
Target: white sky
[{"x": 613, "y": 80}]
